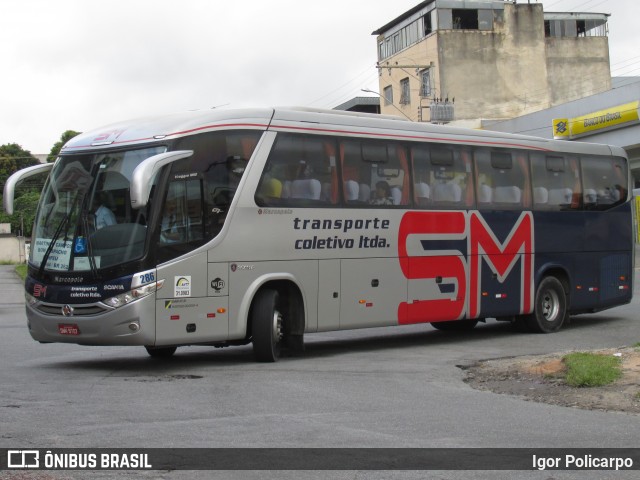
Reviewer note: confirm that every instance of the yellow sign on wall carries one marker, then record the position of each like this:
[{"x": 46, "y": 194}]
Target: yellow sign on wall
[{"x": 569, "y": 128}]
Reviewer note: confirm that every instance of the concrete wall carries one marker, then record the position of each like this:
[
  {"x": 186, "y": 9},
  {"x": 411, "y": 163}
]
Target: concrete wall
[
  {"x": 492, "y": 74},
  {"x": 577, "y": 67},
  {"x": 12, "y": 249}
]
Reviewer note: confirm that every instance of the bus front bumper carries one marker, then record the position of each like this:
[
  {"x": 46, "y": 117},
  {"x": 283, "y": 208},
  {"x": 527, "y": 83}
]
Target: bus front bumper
[{"x": 131, "y": 324}]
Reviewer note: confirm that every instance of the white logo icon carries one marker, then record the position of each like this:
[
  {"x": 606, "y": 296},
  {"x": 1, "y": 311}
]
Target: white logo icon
[{"x": 23, "y": 459}]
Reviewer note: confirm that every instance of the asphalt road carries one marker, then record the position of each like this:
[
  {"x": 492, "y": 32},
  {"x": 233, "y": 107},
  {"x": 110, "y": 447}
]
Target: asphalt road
[{"x": 389, "y": 387}]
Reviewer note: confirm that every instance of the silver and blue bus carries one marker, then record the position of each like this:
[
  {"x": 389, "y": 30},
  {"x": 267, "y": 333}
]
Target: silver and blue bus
[{"x": 229, "y": 227}]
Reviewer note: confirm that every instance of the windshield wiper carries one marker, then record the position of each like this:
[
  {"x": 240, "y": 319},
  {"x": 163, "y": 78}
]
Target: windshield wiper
[{"x": 56, "y": 235}]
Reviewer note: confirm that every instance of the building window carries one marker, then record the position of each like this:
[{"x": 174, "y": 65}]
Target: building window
[
  {"x": 465, "y": 19},
  {"x": 425, "y": 83},
  {"x": 405, "y": 93},
  {"x": 428, "y": 27},
  {"x": 388, "y": 95}
]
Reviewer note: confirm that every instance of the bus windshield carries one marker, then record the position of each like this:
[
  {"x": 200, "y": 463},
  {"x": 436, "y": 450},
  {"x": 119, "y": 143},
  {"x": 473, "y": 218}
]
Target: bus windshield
[{"x": 85, "y": 220}]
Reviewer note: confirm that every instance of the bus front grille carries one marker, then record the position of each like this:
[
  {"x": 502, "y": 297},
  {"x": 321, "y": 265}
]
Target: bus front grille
[{"x": 78, "y": 310}]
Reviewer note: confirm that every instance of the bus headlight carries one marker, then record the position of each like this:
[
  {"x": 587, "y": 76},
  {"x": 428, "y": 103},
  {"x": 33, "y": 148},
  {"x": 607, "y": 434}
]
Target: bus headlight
[
  {"x": 30, "y": 299},
  {"x": 134, "y": 294}
]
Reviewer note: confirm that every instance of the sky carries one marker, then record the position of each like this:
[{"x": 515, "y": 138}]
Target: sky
[{"x": 82, "y": 64}]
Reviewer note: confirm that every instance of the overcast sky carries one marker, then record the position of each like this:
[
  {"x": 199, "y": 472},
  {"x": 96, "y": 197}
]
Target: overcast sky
[{"x": 81, "y": 64}]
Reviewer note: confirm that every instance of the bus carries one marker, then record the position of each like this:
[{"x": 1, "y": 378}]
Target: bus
[{"x": 230, "y": 227}]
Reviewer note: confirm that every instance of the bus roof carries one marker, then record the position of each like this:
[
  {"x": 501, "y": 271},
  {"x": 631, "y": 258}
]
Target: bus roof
[{"x": 299, "y": 119}]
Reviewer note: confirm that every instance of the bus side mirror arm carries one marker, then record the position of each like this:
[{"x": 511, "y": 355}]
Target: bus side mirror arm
[
  {"x": 13, "y": 180},
  {"x": 143, "y": 173}
]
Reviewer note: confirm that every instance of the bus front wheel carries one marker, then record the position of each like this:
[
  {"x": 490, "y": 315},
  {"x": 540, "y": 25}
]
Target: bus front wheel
[
  {"x": 266, "y": 326},
  {"x": 550, "y": 307}
]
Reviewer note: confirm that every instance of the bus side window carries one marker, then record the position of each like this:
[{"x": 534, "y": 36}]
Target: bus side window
[
  {"x": 375, "y": 173},
  {"x": 605, "y": 182},
  {"x": 556, "y": 182},
  {"x": 300, "y": 171},
  {"x": 449, "y": 173},
  {"x": 502, "y": 179}
]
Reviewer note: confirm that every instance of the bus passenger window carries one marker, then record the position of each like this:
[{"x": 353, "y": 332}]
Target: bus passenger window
[
  {"x": 502, "y": 179},
  {"x": 441, "y": 177},
  {"x": 300, "y": 171},
  {"x": 605, "y": 182},
  {"x": 556, "y": 182},
  {"x": 375, "y": 173}
]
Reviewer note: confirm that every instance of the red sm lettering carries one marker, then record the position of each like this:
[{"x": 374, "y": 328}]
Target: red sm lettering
[{"x": 444, "y": 284}]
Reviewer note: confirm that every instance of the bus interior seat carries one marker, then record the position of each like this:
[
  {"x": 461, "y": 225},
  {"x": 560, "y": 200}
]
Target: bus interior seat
[
  {"x": 326, "y": 194},
  {"x": 286, "y": 189},
  {"x": 485, "y": 194},
  {"x": 510, "y": 194},
  {"x": 351, "y": 190},
  {"x": 272, "y": 188},
  {"x": 540, "y": 195},
  {"x": 307, "y": 189},
  {"x": 423, "y": 193},
  {"x": 447, "y": 192},
  {"x": 615, "y": 194},
  {"x": 590, "y": 196},
  {"x": 365, "y": 193},
  {"x": 396, "y": 195},
  {"x": 560, "y": 196}
]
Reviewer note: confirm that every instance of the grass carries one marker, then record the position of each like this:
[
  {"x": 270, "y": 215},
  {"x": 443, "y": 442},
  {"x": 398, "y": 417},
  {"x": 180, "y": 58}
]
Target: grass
[
  {"x": 22, "y": 271},
  {"x": 592, "y": 370}
]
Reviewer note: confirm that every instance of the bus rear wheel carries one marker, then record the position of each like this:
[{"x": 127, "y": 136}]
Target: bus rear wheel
[
  {"x": 550, "y": 307},
  {"x": 161, "y": 352},
  {"x": 267, "y": 326}
]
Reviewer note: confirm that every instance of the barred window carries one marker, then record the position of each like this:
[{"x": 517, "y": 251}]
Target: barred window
[
  {"x": 425, "y": 85},
  {"x": 405, "y": 93}
]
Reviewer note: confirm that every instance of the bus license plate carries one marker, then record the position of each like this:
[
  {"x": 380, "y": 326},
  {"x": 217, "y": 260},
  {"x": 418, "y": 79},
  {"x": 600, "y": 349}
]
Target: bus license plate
[{"x": 68, "y": 329}]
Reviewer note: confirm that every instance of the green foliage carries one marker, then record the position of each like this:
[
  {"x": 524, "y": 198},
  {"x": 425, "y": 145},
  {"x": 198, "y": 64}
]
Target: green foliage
[
  {"x": 21, "y": 270},
  {"x": 591, "y": 370},
  {"x": 24, "y": 212},
  {"x": 64, "y": 138},
  {"x": 13, "y": 158}
]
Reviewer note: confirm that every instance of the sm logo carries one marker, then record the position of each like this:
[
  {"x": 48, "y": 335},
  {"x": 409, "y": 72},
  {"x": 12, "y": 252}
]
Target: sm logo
[{"x": 444, "y": 281}]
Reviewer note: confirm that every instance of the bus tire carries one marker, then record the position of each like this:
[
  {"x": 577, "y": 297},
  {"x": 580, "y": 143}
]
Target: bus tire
[
  {"x": 550, "y": 307},
  {"x": 455, "y": 325},
  {"x": 267, "y": 326},
  {"x": 161, "y": 352}
]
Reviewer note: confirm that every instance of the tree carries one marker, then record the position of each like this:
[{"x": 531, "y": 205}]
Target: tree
[
  {"x": 55, "y": 150},
  {"x": 13, "y": 158},
  {"x": 24, "y": 213}
]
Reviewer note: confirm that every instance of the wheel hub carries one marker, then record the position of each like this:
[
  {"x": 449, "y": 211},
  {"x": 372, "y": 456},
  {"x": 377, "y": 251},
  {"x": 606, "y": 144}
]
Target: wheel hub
[
  {"x": 277, "y": 326},
  {"x": 550, "y": 305}
]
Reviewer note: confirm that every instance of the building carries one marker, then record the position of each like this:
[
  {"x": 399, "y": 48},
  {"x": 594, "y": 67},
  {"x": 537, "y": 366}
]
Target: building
[{"x": 468, "y": 60}]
